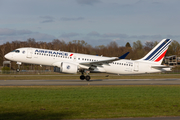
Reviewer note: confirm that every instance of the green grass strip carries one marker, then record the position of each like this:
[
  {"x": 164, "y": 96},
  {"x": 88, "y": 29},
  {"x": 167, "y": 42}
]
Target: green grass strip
[{"x": 80, "y": 102}]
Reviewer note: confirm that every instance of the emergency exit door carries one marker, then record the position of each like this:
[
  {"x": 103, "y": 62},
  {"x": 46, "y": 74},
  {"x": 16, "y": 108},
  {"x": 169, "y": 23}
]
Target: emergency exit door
[
  {"x": 29, "y": 53},
  {"x": 136, "y": 66}
]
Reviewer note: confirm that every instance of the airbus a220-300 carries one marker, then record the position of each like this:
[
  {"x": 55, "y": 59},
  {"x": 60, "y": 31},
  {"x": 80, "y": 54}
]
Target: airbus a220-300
[{"x": 68, "y": 62}]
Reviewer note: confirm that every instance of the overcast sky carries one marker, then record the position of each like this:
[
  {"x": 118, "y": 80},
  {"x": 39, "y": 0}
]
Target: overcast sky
[{"x": 98, "y": 22}]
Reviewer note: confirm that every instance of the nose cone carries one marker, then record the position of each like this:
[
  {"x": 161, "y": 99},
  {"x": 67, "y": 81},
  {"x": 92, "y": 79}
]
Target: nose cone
[{"x": 8, "y": 56}]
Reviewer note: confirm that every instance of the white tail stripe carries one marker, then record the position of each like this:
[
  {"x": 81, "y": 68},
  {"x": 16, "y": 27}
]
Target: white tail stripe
[
  {"x": 158, "y": 50},
  {"x": 158, "y": 53}
]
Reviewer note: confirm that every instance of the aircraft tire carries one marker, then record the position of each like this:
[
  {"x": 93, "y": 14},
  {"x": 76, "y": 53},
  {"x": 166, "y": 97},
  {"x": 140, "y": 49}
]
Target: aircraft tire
[
  {"x": 88, "y": 77},
  {"x": 17, "y": 70},
  {"x": 82, "y": 77}
]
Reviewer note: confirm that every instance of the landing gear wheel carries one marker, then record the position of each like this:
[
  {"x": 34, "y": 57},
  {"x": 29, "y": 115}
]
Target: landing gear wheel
[
  {"x": 88, "y": 77},
  {"x": 17, "y": 70},
  {"x": 82, "y": 77}
]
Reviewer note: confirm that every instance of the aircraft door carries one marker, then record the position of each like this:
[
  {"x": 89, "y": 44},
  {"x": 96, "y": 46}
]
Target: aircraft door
[
  {"x": 29, "y": 53},
  {"x": 136, "y": 66}
]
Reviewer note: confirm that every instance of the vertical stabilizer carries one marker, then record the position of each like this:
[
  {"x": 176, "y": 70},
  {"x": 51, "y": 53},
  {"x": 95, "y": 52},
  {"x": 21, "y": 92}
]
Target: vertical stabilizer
[{"x": 158, "y": 52}]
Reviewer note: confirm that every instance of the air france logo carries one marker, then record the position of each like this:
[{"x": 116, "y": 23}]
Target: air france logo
[
  {"x": 68, "y": 67},
  {"x": 51, "y": 52}
]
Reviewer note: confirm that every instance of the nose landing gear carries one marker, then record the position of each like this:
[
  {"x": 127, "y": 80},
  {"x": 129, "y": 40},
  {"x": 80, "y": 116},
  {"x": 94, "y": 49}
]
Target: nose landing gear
[{"x": 18, "y": 69}]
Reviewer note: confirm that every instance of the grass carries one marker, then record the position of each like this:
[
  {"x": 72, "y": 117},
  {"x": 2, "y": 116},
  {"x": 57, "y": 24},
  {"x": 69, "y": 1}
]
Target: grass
[
  {"x": 80, "y": 102},
  {"x": 93, "y": 76}
]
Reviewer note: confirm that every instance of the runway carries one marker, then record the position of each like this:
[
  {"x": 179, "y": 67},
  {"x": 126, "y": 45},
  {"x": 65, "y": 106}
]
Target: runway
[{"x": 175, "y": 81}]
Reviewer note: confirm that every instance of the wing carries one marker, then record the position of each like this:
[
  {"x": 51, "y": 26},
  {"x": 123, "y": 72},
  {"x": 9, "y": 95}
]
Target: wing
[{"x": 94, "y": 64}]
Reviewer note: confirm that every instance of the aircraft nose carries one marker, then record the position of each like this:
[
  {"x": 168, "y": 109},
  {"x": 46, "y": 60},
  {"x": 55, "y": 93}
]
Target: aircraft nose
[{"x": 7, "y": 56}]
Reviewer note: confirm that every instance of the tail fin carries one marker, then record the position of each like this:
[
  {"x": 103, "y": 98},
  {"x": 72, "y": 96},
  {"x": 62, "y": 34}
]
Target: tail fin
[{"x": 158, "y": 52}]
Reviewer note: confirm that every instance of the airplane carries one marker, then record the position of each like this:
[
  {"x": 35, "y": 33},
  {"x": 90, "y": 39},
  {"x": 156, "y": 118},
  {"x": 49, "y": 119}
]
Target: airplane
[{"x": 68, "y": 62}]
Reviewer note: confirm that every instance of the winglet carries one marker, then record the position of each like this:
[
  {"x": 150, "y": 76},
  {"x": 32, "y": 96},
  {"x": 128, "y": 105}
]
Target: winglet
[{"x": 123, "y": 56}]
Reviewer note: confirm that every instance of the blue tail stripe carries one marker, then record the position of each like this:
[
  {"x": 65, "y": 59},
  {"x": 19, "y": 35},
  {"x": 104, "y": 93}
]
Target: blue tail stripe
[
  {"x": 157, "y": 49},
  {"x": 155, "y": 57},
  {"x": 161, "y": 50}
]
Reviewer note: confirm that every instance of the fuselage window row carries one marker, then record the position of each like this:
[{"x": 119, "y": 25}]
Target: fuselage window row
[
  {"x": 121, "y": 64},
  {"x": 81, "y": 59}
]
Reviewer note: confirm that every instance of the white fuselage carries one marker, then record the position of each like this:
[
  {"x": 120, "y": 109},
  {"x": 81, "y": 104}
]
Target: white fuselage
[{"x": 51, "y": 57}]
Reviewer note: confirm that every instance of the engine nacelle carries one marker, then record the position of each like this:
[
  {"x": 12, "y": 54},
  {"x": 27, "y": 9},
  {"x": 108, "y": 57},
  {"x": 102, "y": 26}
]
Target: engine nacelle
[
  {"x": 69, "y": 68},
  {"x": 65, "y": 67}
]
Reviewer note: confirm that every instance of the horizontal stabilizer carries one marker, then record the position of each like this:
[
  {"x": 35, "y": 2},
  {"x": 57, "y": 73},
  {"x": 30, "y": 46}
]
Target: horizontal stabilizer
[{"x": 161, "y": 66}]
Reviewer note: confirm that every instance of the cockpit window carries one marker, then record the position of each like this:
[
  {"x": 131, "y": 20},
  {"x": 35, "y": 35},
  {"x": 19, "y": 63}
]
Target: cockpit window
[{"x": 16, "y": 51}]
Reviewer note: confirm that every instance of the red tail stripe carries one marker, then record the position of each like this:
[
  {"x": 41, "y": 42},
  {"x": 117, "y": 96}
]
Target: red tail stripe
[
  {"x": 160, "y": 57},
  {"x": 71, "y": 55}
]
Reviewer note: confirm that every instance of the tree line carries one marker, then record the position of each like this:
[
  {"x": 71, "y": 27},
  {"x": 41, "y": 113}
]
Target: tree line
[{"x": 137, "y": 50}]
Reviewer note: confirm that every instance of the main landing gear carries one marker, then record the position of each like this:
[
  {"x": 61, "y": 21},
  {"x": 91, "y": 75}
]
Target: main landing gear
[{"x": 87, "y": 77}]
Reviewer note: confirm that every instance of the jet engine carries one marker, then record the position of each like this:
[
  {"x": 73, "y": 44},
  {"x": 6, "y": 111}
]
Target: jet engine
[{"x": 66, "y": 67}]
